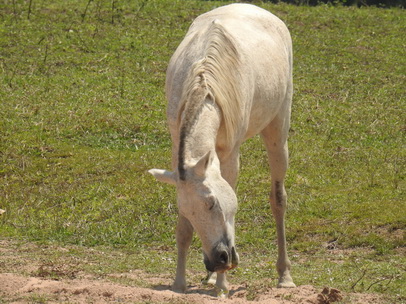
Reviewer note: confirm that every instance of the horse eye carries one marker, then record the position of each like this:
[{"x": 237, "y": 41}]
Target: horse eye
[{"x": 211, "y": 202}]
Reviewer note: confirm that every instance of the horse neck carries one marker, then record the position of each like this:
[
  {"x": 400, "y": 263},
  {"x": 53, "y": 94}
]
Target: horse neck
[{"x": 199, "y": 132}]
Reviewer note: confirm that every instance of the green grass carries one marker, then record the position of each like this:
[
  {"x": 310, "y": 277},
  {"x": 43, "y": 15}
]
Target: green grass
[{"x": 82, "y": 119}]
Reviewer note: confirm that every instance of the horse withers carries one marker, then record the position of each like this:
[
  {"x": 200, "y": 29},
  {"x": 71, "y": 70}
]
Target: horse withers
[{"x": 229, "y": 79}]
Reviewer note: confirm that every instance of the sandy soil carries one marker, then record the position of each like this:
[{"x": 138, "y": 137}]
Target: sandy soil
[
  {"x": 16, "y": 288},
  {"x": 24, "y": 280}
]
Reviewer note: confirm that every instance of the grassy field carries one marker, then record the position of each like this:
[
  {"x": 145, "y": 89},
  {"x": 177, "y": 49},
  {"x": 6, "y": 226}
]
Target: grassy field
[{"x": 82, "y": 119}]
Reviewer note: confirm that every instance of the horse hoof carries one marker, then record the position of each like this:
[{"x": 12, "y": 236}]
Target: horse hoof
[{"x": 286, "y": 284}]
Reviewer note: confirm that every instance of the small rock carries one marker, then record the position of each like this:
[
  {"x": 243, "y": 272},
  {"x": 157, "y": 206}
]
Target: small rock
[{"x": 329, "y": 295}]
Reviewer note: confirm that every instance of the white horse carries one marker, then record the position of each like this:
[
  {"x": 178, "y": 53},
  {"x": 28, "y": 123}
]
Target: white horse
[{"x": 229, "y": 79}]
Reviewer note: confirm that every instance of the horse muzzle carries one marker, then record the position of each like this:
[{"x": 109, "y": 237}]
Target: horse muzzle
[{"x": 222, "y": 259}]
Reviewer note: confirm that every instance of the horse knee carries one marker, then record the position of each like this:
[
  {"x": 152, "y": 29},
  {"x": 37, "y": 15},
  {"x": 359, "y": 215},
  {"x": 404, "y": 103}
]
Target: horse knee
[{"x": 184, "y": 233}]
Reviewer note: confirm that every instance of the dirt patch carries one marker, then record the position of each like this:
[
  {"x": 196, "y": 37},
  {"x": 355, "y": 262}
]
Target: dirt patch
[
  {"x": 26, "y": 278},
  {"x": 17, "y": 288}
]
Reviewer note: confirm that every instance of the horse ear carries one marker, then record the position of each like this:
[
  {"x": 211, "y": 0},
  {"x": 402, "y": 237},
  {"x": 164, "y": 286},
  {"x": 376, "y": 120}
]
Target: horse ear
[
  {"x": 165, "y": 176},
  {"x": 202, "y": 165}
]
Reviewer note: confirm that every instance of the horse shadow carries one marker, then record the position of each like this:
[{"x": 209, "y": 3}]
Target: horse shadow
[{"x": 201, "y": 290}]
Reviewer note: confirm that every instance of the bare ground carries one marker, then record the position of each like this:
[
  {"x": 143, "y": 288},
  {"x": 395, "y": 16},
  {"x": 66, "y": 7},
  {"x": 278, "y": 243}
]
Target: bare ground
[
  {"x": 15, "y": 288},
  {"x": 28, "y": 278}
]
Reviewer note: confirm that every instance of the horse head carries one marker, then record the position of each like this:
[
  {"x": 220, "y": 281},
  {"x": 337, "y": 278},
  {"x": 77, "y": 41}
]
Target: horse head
[{"x": 207, "y": 200}]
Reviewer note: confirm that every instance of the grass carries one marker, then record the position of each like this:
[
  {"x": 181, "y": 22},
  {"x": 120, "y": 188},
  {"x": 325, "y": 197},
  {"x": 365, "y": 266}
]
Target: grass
[{"x": 82, "y": 119}]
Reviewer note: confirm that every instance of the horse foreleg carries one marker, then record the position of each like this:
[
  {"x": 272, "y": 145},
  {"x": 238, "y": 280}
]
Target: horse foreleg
[{"x": 184, "y": 234}]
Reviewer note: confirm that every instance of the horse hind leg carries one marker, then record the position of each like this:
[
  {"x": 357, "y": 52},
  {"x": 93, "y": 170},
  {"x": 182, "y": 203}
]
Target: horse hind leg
[
  {"x": 210, "y": 278},
  {"x": 275, "y": 138},
  {"x": 222, "y": 285},
  {"x": 219, "y": 281}
]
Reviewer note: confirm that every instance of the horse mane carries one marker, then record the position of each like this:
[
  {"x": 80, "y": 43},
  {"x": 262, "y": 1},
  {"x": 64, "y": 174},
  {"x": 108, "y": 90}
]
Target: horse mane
[{"x": 215, "y": 76}]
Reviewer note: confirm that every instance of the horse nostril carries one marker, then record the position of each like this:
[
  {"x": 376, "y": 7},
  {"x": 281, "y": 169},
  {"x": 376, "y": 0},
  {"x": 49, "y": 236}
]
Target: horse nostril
[{"x": 223, "y": 257}]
